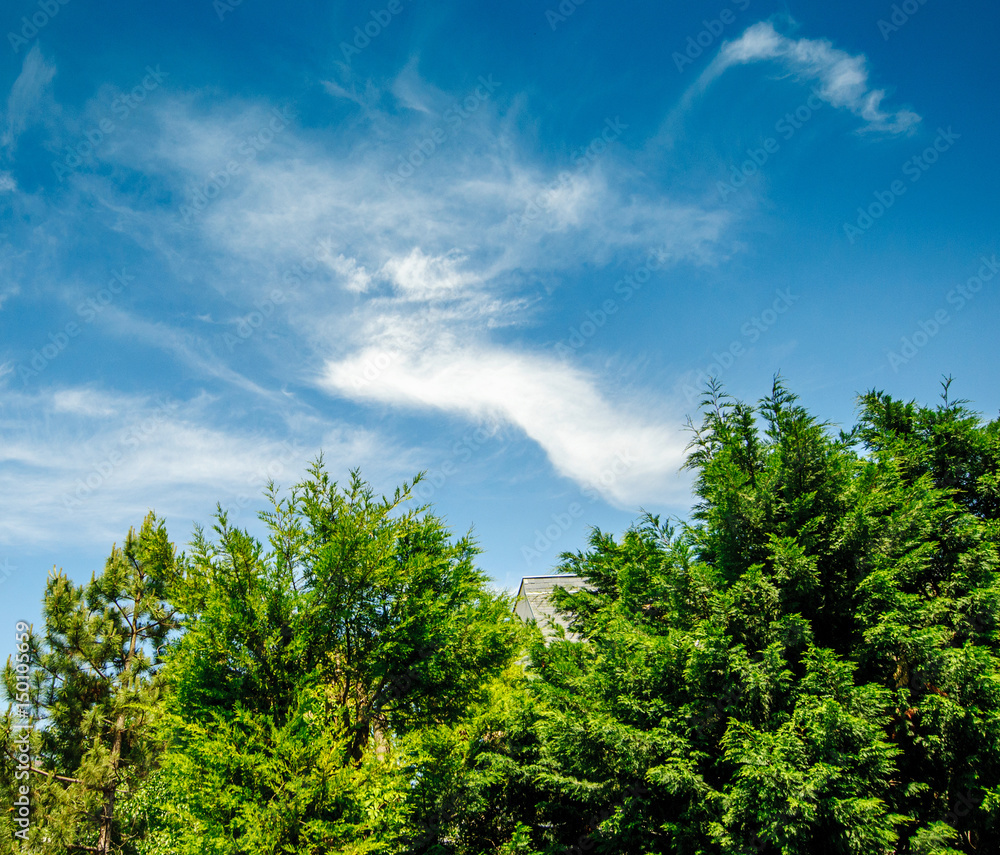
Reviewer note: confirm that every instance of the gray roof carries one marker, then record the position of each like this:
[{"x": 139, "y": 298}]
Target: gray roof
[{"x": 534, "y": 602}]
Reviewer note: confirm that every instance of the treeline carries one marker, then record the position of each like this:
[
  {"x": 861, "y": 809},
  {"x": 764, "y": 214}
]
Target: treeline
[{"x": 810, "y": 665}]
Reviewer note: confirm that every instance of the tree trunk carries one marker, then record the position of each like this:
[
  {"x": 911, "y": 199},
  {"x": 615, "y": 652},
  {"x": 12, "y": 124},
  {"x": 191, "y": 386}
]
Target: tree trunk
[
  {"x": 108, "y": 812},
  {"x": 111, "y": 790}
]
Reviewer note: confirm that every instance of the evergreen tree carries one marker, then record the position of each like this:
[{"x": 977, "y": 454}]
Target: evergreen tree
[
  {"x": 96, "y": 694},
  {"x": 811, "y": 666},
  {"x": 308, "y": 666}
]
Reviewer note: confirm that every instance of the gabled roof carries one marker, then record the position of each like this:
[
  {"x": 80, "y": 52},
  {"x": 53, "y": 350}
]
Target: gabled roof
[{"x": 534, "y": 602}]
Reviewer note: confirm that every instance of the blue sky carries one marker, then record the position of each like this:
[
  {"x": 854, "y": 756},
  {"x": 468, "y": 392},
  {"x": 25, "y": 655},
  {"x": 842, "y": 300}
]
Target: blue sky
[{"x": 504, "y": 243}]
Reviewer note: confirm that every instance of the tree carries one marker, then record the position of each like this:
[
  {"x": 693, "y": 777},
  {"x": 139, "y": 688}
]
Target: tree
[
  {"x": 306, "y": 665},
  {"x": 928, "y": 611},
  {"x": 96, "y": 692},
  {"x": 810, "y": 666}
]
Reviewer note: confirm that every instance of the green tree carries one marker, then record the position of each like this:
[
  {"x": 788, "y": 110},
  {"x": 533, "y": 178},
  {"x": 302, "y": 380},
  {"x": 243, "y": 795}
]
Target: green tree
[
  {"x": 306, "y": 666},
  {"x": 96, "y": 695},
  {"x": 928, "y": 612},
  {"x": 810, "y": 666}
]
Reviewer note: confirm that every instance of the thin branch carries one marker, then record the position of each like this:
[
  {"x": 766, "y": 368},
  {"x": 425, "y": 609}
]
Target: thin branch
[
  {"x": 53, "y": 775},
  {"x": 124, "y": 614}
]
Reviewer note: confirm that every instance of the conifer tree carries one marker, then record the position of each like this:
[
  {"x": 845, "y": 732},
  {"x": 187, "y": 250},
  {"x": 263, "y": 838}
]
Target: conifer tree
[
  {"x": 96, "y": 693},
  {"x": 309, "y": 664},
  {"x": 811, "y": 665}
]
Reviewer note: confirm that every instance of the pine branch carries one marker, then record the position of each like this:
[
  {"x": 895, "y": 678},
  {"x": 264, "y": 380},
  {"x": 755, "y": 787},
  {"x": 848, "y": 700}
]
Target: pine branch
[
  {"x": 53, "y": 776},
  {"x": 124, "y": 614}
]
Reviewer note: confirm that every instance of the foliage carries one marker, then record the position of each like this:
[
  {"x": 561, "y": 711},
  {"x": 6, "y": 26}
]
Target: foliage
[
  {"x": 305, "y": 667},
  {"x": 809, "y": 665},
  {"x": 95, "y": 694}
]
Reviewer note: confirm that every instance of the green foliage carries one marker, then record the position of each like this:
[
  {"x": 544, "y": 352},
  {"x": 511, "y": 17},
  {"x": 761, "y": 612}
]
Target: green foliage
[
  {"x": 95, "y": 694},
  {"x": 305, "y": 667},
  {"x": 811, "y": 666}
]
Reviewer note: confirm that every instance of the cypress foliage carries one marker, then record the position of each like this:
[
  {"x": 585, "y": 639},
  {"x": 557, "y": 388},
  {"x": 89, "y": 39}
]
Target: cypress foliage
[
  {"x": 811, "y": 664},
  {"x": 311, "y": 666}
]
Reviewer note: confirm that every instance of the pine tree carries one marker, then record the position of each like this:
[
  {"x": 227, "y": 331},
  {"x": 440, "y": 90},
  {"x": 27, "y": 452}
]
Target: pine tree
[{"x": 96, "y": 693}]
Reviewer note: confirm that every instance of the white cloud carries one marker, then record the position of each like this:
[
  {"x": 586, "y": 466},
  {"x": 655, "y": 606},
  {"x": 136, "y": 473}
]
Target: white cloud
[
  {"x": 23, "y": 103},
  {"x": 423, "y": 272},
  {"x": 338, "y": 91},
  {"x": 842, "y": 78},
  {"x": 81, "y": 464},
  {"x": 7, "y": 182},
  {"x": 422, "y": 276},
  {"x": 356, "y": 278},
  {"x": 625, "y": 453},
  {"x": 439, "y": 357},
  {"x": 85, "y": 401},
  {"x": 413, "y": 92},
  {"x": 467, "y": 195}
]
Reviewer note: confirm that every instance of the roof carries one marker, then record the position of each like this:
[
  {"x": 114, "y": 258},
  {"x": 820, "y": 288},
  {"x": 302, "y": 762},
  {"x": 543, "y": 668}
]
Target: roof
[{"x": 534, "y": 602}]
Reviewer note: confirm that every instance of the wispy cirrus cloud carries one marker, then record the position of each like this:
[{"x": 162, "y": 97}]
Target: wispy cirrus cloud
[
  {"x": 841, "y": 79},
  {"x": 423, "y": 278},
  {"x": 25, "y": 99},
  {"x": 623, "y": 452},
  {"x": 430, "y": 270},
  {"x": 82, "y": 462}
]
